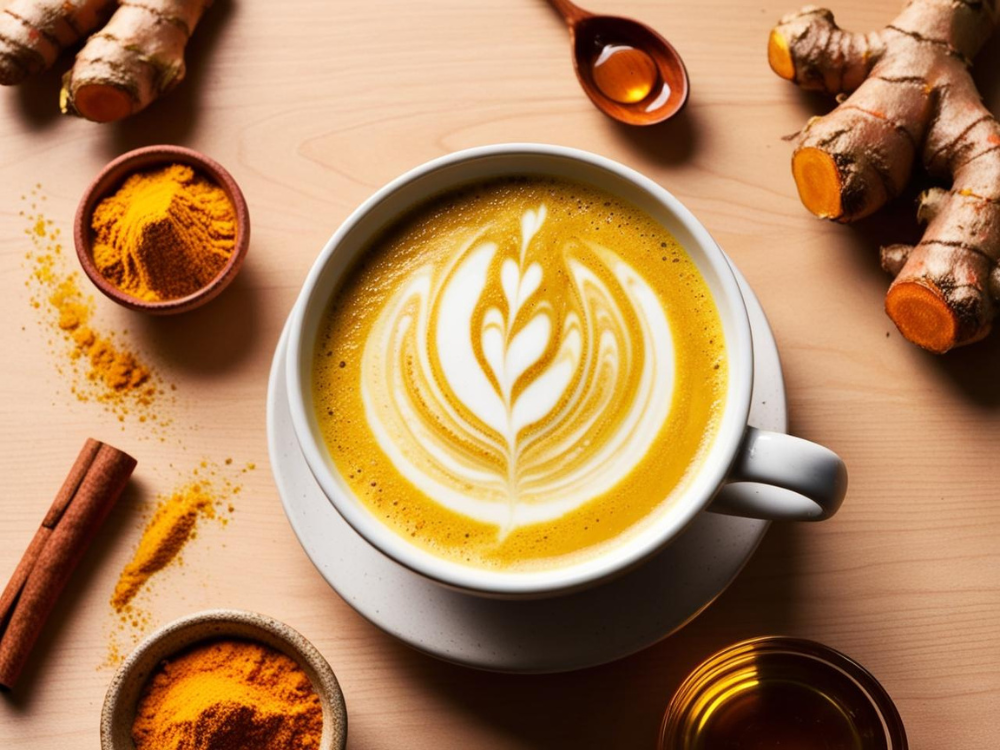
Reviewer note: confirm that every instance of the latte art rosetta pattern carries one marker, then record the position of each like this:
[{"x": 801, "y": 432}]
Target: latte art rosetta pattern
[{"x": 526, "y": 377}]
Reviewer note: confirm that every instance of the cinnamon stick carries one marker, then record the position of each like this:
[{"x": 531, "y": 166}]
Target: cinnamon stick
[{"x": 94, "y": 484}]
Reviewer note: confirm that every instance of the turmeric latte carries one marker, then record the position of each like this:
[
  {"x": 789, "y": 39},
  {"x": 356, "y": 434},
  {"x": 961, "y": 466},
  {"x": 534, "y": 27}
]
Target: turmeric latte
[{"x": 521, "y": 373}]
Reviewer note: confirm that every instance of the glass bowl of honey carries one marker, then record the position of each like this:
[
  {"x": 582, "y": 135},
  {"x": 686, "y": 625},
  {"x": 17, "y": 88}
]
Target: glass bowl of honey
[{"x": 775, "y": 692}]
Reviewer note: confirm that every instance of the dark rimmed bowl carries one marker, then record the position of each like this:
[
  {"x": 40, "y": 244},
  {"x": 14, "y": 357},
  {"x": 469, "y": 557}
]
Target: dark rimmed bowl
[
  {"x": 126, "y": 687},
  {"x": 111, "y": 178}
]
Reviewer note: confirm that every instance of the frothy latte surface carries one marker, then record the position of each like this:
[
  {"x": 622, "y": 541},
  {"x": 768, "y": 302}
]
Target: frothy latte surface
[{"x": 520, "y": 373}]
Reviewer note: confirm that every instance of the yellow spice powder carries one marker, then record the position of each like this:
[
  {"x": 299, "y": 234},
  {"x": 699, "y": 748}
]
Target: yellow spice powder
[
  {"x": 170, "y": 528},
  {"x": 207, "y": 494},
  {"x": 164, "y": 234},
  {"x": 228, "y": 695},
  {"x": 100, "y": 364},
  {"x": 117, "y": 368}
]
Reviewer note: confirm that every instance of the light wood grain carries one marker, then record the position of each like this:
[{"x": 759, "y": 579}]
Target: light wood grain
[{"x": 312, "y": 105}]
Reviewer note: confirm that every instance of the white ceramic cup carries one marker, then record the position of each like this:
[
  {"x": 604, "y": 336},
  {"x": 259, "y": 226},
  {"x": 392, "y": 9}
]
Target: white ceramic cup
[{"x": 811, "y": 480}]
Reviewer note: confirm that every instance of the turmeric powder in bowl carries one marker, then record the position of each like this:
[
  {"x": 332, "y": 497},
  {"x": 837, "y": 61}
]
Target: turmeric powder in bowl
[
  {"x": 164, "y": 234},
  {"x": 162, "y": 229},
  {"x": 229, "y": 694},
  {"x": 224, "y": 679}
]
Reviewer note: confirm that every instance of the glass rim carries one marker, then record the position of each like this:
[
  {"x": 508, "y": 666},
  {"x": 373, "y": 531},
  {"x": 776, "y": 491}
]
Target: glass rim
[{"x": 717, "y": 665}]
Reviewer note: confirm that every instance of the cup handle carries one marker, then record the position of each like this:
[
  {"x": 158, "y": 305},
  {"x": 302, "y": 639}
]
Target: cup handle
[{"x": 808, "y": 481}]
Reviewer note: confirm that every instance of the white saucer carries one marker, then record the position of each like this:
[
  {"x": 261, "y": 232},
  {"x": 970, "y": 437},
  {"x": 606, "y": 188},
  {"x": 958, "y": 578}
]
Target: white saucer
[{"x": 578, "y": 630}]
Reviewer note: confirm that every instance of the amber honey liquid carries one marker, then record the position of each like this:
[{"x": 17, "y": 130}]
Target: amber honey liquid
[
  {"x": 624, "y": 74},
  {"x": 781, "y": 714},
  {"x": 775, "y": 701}
]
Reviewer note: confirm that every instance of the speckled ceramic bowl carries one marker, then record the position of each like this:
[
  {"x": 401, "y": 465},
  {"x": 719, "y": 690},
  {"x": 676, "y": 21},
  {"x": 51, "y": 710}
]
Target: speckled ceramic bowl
[
  {"x": 123, "y": 694},
  {"x": 111, "y": 178}
]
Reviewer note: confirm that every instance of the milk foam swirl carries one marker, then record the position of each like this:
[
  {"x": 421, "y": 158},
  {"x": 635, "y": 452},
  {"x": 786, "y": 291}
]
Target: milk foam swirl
[{"x": 520, "y": 379}]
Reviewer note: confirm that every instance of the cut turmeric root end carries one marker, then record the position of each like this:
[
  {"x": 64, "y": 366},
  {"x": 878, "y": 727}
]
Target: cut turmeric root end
[
  {"x": 101, "y": 103},
  {"x": 922, "y": 316},
  {"x": 779, "y": 56},
  {"x": 818, "y": 180}
]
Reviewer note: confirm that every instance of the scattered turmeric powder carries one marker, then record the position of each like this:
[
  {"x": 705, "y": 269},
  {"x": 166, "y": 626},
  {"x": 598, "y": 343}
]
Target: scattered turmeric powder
[
  {"x": 102, "y": 368},
  {"x": 165, "y": 233},
  {"x": 117, "y": 368},
  {"x": 229, "y": 695},
  {"x": 173, "y": 525},
  {"x": 206, "y": 495},
  {"x": 167, "y": 532}
]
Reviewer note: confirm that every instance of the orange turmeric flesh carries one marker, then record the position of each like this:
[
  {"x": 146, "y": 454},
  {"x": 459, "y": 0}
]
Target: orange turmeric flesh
[
  {"x": 779, "y": 56},
  {"x": 922, "y": 316},
  {"x": 818, "y": 180},
  {"x": 102, "y": 103},
  {"x": 906, "y": 98}
]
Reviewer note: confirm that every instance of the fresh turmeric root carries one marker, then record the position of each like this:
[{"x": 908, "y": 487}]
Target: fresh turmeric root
[
  {"x": 34, "y": 32},
  {"x": 136, "y": 58},
  {"x": 910, "y": 94}
]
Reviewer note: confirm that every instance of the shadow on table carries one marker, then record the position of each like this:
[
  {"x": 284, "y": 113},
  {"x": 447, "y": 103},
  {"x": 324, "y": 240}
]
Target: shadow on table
[
  {"x": 971, "y": 370},
  {"x": 620, "y": 704},
  {"x": 668, "y": 143},
  {"x": 123, "y": 517},
  {"x": 986, "y": 71},
  {"x": 173, "y": 122},
  {"x": 175, "y": 118},
  {"x": 38, "y": 96},
  {"x": 213, "y": 338}
]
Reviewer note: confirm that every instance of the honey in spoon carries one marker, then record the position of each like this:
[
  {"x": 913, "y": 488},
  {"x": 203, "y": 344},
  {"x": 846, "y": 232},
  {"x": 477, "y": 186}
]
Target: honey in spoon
[
  {"x": 624, "y": 73},
  {"x": 628, "y": 71}
]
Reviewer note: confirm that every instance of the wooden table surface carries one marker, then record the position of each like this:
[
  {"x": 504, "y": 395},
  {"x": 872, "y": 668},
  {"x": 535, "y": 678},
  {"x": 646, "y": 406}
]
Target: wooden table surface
[{"x": 312, "y": 105}]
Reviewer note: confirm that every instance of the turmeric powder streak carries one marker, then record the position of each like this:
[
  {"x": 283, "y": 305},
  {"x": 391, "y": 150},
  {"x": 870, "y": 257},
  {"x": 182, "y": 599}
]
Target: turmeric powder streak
[
  {"x": 173, "y": 524},
  {"x": 229, "y": 695},
  {"x": 208, "y": 494},
  {"x": 101, "y": 366},
  {"x": 165, "y": 234},
  {"x": 167, "y": 532}
]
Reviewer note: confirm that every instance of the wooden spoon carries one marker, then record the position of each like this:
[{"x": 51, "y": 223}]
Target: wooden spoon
[{"x": 630, "y": 72}]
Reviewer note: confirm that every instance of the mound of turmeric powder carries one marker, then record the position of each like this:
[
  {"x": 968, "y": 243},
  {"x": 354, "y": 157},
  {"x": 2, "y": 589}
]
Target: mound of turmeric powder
[
  {"x": 229, "y": 695},
  {"x": 165, "y": 233}
]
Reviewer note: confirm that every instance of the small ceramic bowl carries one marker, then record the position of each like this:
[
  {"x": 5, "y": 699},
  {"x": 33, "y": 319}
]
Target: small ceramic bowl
[
  {"x": 123, "y": 694},
  {"x": 111, "y": 178}
]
